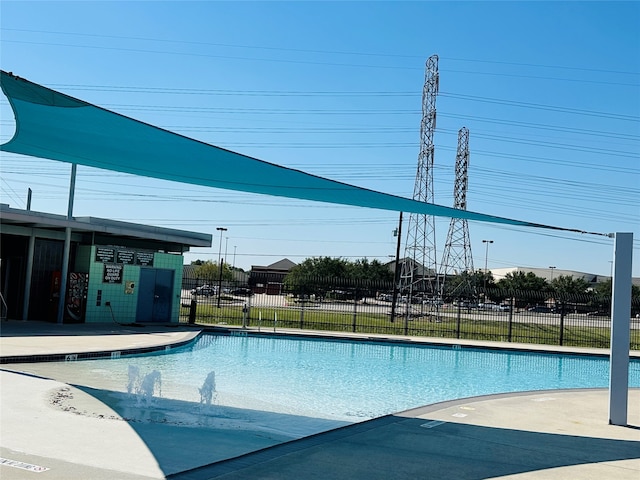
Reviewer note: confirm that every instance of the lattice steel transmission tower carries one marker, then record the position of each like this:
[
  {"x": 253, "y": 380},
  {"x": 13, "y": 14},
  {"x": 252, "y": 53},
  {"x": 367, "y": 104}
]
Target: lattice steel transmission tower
[
  {"x": 419, "y": 268},
  {"x": 457, "y": 258}
]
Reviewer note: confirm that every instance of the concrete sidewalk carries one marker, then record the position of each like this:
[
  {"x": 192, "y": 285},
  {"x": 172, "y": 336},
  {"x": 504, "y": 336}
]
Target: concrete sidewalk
[
  {"x": 544, "y": 435},
  {"x": 80, "y": 433}
]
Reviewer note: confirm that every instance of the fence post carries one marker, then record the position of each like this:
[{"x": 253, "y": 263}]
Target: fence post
[
  {"x": 562, "y": 314},
  {"x": 249, "y": 310},
  {"x": 458, "y": 319},
  {"x": 406, "y": 316},
  {"x": 192, "y": 309},
  {"x": 511, "y": 307},
  {"x": 302, "y": 302},
  {"x": 355, "y": 310}
]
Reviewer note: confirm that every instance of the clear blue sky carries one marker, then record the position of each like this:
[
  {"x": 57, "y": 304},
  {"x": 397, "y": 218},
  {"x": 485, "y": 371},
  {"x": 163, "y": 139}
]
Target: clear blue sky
[{"x": 550, "y": 92}]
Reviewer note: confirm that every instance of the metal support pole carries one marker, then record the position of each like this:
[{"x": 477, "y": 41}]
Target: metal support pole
[
  {"x": 64, "y": 273},
  {"x": 220, "y": 262},
  {"x": 406, "y": 318},
  {"x": 563, "y": 312},
  {"x": 249, "y": 311},
  {"x": 620, "y": 329},
  {"x": 396, "y": 271},
  {"x": 193, "y": 309},
  {"x": 220, "y": 265},
  {"x": 233, "y": 267},
  {"x": 486, "y": 260},
  {"x": 28, "y": 277},
  {"x": 511, "y": 308},
  {"x": 245, "y": 311},
  {"x": 72, "y": 190},
  {"x": 354, "y": 323}
]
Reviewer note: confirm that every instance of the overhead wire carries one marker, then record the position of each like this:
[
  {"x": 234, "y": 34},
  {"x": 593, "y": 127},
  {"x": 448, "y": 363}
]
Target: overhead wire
[
  {"x": 321, "y": 51},
  {"x": 532, "y": 182}
]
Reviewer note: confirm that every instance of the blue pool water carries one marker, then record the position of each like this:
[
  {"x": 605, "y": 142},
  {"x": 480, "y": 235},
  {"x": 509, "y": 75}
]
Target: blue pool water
[{"x": 346, "y": 381}]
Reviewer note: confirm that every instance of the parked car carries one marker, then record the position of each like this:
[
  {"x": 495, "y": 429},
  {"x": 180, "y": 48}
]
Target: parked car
[
  {"x": 488, "y": 306},
  {"x": 540, "y": 309},
  {"x": 465, "y": 304},
  {"x": 205, "y": 290},
  {"x": 436, "y": 302},
  {"x": 244, "y": 292}
]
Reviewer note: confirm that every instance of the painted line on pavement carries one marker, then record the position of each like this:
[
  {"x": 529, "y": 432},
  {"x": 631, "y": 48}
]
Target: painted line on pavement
[{"x": 24, "y": 466}]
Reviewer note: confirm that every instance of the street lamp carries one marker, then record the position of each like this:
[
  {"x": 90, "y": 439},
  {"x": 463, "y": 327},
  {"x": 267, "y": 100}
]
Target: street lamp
[
  {"x": 551, "y": 268},
  {"x": 234, "y": 257},
  {"x": 220, "y": 229},
  {"x": 486, "y": 258},
  {"x": 396, "y": 266}
]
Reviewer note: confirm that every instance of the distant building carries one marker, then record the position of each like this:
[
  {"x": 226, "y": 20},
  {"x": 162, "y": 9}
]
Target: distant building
[
  {"x": 190, "y": 276},
  {"x": 550, "y": 273},
  {"x": 270, "y": 279}
]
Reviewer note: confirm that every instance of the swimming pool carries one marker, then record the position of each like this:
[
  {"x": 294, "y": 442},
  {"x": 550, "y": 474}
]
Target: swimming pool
[{"x": 345, "y": 381}]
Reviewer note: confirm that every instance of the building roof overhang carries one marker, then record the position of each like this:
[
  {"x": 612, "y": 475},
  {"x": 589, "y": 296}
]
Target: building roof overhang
[{"x": 15, "y": 220}]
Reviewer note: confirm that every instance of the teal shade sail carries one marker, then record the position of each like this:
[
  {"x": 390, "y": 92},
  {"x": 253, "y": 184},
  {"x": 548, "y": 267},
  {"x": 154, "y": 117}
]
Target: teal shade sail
[{"x": 55, "y": 126}]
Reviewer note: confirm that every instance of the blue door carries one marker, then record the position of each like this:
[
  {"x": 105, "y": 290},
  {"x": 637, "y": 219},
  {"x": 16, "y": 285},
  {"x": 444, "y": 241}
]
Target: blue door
[{"x": 155, "y": 292}]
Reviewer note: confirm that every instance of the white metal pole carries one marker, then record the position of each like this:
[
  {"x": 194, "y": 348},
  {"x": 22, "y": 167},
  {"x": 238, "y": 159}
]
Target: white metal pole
[
  {"x": 28, "y": 277},
  {"x": 64, "y": 274},
  {"x": 620, "y": 329}
]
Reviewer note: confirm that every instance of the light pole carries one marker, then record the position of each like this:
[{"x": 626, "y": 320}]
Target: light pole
[
  {"x": 551, "y": 268},
  {"x": 234, "y": 257},
  {"x": 486, "y": 258},
  {"x": 396, "y": 266},
  {"x": 220, "y": 229}
]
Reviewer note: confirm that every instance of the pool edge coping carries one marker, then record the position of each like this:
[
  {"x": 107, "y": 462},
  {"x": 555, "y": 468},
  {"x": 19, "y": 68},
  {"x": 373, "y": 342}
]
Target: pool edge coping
[
  {"x": 100, "y": 354},
  {"x": 424, "y": 341}
]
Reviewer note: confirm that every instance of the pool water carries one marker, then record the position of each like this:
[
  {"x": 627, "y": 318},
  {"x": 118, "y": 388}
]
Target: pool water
[{"x": 342, "y": 380}]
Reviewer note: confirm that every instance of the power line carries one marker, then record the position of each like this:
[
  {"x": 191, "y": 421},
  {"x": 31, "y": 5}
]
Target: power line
[
  {"x": 418, "y": 57},
  {"x": 515, "y": 103}
]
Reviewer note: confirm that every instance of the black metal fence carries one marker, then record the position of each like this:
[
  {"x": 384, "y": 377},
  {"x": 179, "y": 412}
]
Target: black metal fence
[{"x": 359, "y": 306}]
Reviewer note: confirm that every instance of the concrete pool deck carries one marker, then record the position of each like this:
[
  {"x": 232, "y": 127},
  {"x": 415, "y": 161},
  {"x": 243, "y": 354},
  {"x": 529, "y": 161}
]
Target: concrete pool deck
[{"x": 75, "y": 434}]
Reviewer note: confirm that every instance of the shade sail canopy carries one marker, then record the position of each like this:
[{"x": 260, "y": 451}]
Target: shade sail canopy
[{"x": 55, "y": 126}]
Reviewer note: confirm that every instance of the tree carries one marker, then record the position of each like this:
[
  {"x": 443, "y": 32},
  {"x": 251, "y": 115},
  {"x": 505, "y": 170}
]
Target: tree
[
  {"x": 605, "y": 289},
  {"x": 520, "y": 281},
  {"x": 467, "y": 283},
  {"x": 319, "y": 275},
  {"x": 373, "y": 271},
  {"x": 210, "y": 271},
  {"x": 319, "y": 267},
  {"x": 303, "y": 278},
  {"x": 569, "y": 285}
]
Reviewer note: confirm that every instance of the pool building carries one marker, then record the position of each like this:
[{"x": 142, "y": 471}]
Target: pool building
[{"x": 117, "y": 271}]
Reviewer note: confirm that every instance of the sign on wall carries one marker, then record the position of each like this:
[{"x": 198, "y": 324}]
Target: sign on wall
[
  {"x": 105, "y": 255},
  {"x": 144, "y": 258},
  {"x": 124, "y": 256},
  {"x": 112, "y": 273}
]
